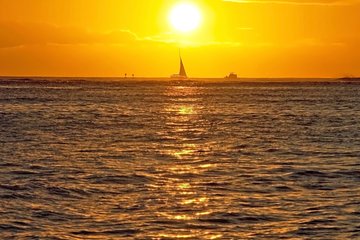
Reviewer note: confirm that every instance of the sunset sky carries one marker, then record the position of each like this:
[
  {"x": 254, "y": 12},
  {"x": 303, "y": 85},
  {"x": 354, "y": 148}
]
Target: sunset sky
[{"x": 255, "y": 38}]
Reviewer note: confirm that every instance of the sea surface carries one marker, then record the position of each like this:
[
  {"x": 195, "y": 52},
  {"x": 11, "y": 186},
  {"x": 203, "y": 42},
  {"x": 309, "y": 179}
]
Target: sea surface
[{"x": 169, "y": 160}]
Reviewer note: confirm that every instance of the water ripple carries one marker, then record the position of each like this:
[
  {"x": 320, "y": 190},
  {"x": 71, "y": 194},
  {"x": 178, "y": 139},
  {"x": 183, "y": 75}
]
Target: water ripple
[{"x": 160, "y": 160}]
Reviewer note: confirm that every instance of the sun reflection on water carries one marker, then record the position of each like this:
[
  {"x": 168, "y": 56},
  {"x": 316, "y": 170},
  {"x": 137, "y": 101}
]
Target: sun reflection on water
[
  {"x": 188, "y": 150},
  {"x": 195, "y": 235},
  {"x": 187, "y": 200},
  {"x": 186, "y": 110}
]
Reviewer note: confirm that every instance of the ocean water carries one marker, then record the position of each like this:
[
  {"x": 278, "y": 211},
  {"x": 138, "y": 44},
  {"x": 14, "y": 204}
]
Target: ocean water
[{"x": 165, "y": 160}]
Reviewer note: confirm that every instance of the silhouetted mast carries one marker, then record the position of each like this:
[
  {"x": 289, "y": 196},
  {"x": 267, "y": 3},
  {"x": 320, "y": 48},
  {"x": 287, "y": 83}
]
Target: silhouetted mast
[{"x": 182, "y": 71}]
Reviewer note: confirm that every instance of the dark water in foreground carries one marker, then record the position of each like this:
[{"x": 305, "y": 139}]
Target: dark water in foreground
[{"x": 165, "y": 161}]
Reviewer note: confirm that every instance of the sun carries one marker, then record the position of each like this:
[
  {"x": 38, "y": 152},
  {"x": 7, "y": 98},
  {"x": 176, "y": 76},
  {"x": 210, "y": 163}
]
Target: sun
[{"x": 185, "y": 17}]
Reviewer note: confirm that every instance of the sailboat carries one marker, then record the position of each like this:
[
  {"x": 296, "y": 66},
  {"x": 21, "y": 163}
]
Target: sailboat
[{"x": 182, "y": 73}]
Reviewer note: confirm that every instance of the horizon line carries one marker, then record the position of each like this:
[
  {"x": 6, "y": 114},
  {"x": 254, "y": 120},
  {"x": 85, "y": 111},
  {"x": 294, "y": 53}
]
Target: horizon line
[{"x": 162, "y": 77}]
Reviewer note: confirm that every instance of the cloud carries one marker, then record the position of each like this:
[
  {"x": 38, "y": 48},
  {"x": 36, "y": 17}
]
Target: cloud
[
  {"x": 172, "y": 38},
  {"x": 15, "y": 34},
  {"x": 314, "y": 42},
  {"x": 296, "y": 2}
]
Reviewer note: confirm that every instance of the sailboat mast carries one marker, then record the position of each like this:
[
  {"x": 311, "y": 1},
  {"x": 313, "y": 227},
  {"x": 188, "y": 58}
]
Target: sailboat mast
[{"x": 182, "y": 71}]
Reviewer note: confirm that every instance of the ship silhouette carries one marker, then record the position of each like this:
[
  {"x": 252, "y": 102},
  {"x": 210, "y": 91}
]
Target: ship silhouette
[{"x": 232, "y": 75}]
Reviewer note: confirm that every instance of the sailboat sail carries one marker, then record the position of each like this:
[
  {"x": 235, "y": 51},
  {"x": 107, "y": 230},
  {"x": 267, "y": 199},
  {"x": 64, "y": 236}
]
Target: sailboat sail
[
  {"x": 182, "y": 69},
  {"x": 182, "y": 72}
]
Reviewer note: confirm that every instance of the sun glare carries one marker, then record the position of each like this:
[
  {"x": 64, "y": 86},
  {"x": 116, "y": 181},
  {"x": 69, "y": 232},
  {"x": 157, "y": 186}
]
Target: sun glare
[{"x": 185, "y": 17}]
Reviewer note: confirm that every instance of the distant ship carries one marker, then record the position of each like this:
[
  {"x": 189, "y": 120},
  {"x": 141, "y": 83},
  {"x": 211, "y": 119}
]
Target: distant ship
[
  {"x": 182, "y": 73},
  {"x": 232, "y": 76}
]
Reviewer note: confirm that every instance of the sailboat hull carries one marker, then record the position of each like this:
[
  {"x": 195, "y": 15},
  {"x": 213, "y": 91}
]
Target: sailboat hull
[{"x": 178, "y": 77}]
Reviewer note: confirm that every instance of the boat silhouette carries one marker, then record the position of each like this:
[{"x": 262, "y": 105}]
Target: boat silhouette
[
  {"x": 232, "y": 75},
  {"x": 182, "y": 72}
]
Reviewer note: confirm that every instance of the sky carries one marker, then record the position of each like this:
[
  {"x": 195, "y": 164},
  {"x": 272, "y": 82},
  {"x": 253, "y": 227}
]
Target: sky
[{"x": 108, "y": 38}]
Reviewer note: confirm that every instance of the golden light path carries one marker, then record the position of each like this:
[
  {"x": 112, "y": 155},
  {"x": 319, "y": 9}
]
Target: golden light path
[{"x": 181, "y": 192}]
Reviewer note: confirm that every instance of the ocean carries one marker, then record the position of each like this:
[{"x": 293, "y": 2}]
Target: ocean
[{"x": 95, "y": 159}]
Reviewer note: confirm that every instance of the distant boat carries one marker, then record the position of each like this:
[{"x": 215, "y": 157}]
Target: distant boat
[
  {"x": 232, "y": 76},
  {"x": 182, "y": 72}
]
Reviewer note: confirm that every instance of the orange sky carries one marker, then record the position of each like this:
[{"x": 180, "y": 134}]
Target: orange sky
[{"x": 255, "y": 38}]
